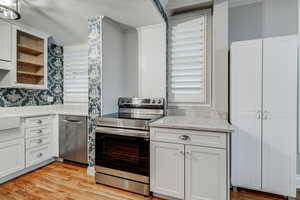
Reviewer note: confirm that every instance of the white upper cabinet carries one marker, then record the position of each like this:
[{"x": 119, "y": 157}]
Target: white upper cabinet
[
  {"x": 246, "y": 79},
  {"x": 25, "y": 57},
  {"x": 264, "y": 114},
  {"x": 5, "y": 45},
  {"x": 279, "y": 115}
]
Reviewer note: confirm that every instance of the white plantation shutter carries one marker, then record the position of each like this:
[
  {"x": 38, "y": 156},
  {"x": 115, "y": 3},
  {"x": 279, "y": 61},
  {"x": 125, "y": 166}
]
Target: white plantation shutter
[
  {"x": 76, "y": 74},
  {"x": 189, "y": 58}
]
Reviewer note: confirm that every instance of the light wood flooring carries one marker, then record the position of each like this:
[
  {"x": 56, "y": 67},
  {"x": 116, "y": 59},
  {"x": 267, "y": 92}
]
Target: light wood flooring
[{"x": 62, "y": 181}]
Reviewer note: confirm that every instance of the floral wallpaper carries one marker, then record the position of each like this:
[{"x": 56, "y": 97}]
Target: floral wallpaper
[
  {"x": 95, "y": 67},
  {"x": 12, "y": 97}
]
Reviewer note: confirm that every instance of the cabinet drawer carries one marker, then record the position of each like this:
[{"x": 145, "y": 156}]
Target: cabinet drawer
[
  {"x": 11, "y": 134},
  {"x": 37, "y": 142},
  {"x": 37, "y": 155},
  {"x": 200, "y": 138},
  {"x": 37, "y": 131},
  {"x": 37, "y": 121}
]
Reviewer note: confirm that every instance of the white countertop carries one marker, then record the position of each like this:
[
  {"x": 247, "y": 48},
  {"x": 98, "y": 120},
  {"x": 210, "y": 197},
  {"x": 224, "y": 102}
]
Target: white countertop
[
  {"x": 193, "y": 123},
  {"x": 31, "y": 111}
]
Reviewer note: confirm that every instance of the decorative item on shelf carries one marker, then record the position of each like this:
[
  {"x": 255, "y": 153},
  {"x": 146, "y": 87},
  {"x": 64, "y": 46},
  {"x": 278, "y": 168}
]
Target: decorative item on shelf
[{"x": 10, "y": 9}]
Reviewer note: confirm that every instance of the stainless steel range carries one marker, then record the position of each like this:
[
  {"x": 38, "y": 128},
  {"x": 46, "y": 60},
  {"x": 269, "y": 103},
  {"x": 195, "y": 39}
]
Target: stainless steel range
[{"x": 123, "y": 144}]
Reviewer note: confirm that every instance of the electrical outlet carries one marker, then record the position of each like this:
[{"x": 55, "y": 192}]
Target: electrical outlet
[{"x": 50, "y": 99}]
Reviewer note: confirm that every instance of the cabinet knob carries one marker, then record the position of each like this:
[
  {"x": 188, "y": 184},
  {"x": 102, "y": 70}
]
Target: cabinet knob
[
  {"x": 182, "y": 152},
  {"x": 39, "y": 131},
  {"x": 184, "y": 137},
  {"x": 39, "y": 155},
  {"x": 39, "y": 141},
  {"x": 39, "y": 121}
]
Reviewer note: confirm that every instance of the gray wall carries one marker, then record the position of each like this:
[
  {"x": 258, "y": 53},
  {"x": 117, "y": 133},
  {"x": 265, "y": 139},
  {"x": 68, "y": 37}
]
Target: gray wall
[{"x": 269, "y": 18}]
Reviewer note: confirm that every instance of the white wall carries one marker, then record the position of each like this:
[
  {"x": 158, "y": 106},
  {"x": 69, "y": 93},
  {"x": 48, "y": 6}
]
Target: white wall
[
  {"x": 112, "y": 71},
  {"x": 131, "y": 63},
  {"x": 120, "y": 64},
  {"x": 152, "y": 61}
]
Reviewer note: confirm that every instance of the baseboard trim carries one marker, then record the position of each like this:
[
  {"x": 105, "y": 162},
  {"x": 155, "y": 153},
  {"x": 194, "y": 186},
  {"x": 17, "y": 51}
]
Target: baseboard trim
[
  {"x": 90, "y": 171},
  {"x": 298, "y": 181},
  {"x": 25, "y": 171}
]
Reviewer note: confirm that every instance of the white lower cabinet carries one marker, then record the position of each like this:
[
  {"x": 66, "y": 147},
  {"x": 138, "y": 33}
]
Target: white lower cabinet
[
  {"x": 167, "y": 164},
  {"x": 185, "y": 171},
  {"x": 12, "y": 156},
  {"x": 205, "y": 173}
]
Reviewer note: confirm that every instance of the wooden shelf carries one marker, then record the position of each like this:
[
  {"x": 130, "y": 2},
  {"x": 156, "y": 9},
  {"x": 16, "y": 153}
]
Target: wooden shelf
[
  {"x": 29, "y": 64},
  {"x": 30, "y": 73},
  {"x": 29, "y": 50}
]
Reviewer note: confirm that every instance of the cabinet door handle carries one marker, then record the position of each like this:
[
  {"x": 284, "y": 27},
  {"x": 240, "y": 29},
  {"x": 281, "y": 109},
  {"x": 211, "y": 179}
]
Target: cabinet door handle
[
  {"x": 258, "y": 114},
  {"x": 266, "y": 115},
  {"x": 184, "y": 137}
]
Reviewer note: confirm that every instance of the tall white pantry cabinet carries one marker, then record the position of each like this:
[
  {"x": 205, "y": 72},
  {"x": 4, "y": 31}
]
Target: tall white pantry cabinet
[{"x": 264, "y": 114}]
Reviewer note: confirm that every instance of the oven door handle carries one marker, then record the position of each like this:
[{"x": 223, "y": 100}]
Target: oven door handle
[{"x": 123, "y": 132}]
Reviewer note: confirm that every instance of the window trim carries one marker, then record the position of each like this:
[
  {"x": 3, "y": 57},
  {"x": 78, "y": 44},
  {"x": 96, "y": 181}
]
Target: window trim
[{"x": 209, "y": 61}]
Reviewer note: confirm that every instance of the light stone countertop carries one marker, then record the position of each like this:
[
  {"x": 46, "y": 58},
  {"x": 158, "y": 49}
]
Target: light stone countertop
[
  {"x": 31, "y": 111},
  {"x": 193, "y": 123}
]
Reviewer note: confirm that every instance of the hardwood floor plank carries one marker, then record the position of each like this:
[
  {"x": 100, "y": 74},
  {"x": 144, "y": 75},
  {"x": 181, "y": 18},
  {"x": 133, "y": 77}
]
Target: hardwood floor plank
[{"x": 65, "y": 181}]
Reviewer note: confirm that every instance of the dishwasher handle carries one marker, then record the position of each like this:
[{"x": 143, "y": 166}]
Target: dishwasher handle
[{"x": 72, "y": 121}]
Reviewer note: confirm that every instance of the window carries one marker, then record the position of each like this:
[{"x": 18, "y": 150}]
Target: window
[
  {"x": 189, "y": 72},
  {"x": 76, "y": 74}
]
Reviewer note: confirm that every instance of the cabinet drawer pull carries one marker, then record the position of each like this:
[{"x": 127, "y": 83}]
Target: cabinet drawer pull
[
  {"x": 40, "y": 141},
  {"x": 184, "y": 137},
  {"x": 39, "y": 121},
  {"x": 39, "y": 131},
  {"x": 182, "y": 152},
  {"x": 39, "y": 155}
]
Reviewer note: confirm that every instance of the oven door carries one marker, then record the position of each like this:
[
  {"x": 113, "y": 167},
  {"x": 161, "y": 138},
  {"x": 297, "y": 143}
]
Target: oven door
[{"x": 122, "y": 155}]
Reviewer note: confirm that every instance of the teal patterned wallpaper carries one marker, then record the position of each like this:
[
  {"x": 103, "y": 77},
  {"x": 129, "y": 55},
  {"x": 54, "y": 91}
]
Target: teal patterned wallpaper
[{"x": 10, "y": 97}]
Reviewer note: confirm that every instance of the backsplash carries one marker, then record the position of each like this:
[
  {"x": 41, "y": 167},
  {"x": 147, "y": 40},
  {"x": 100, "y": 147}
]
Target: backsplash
[{"x": 11, "y": 97}]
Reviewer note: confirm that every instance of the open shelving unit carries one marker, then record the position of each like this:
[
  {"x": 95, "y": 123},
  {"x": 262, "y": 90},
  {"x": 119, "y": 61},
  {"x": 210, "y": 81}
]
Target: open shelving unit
[{"x": 30, "y": 59}]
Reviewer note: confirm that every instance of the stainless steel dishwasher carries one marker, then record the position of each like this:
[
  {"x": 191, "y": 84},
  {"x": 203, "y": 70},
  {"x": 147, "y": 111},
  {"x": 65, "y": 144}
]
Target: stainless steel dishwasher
[{"x": 73, "y": 138}]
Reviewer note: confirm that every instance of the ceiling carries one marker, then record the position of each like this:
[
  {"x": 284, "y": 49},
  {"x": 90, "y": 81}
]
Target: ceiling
[{"x": 66, "y": 20}]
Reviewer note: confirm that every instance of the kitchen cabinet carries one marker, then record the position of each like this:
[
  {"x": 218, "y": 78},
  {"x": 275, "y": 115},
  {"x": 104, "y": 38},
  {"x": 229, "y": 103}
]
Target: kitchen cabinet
[
  {"x": 39, "y": 139},
  {"x": 264, "y": 114},
  {"x": 205, "y": 173},
  {"x": 167, "y": 164},
  {"x": 12, "y": 156},
  {"x": 27, "y": 54},
  {"x": 12, "y": 146},
  {"x": 5, "y": 45},
  {"x": 185, "y": 167}
]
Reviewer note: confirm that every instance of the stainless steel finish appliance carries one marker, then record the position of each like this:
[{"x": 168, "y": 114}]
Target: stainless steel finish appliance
[
  {"x": 123, "y": 144},
  {"x": 73, "y": 138}
]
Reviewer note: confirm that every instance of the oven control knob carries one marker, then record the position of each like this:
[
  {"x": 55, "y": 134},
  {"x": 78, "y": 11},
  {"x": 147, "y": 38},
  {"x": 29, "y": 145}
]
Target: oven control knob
[
  {"x": 153, "y": 101},
  {"x": 159, "y": 101}
]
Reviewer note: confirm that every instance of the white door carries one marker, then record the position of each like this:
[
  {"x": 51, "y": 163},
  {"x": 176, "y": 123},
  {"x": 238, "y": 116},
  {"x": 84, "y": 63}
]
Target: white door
[
  {"x": 12, "y": 157},
  {"x": 167, "y": 169},
  {"x": 206, "y": 173},
  {"x": 280, "y": 115},
  {"x": 245, "y": 104},
  {"x": 5, "y": 41}
]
